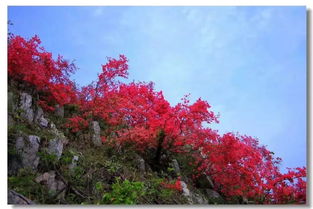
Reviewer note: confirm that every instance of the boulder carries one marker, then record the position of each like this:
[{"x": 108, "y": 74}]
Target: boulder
[
  {"x": 58, "y": 134},
  {"x": 95, "y": 133},
  {"x": 56, "y": 147},
  {"x": 27, "y": 147},
  {"x": 175, "y": 165},
  {"x": 213, "y": 196},
  {"x": 49, "y": 180},
  {"x": 55, "y": 131},
  {"x": 197, "y": 198},
  {"x": 26, "y": 107},
  {"x": 40, "y": 119},
  {"x": 15, "y": 198},
  {"x": 186, "y": 192},
  {"x": 193, "y": 197},
  {"x": 141, "y": 165}
]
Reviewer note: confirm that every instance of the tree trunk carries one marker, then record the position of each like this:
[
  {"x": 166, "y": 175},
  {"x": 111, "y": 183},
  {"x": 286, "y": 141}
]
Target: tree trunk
[{"x": 159, "y": 150}]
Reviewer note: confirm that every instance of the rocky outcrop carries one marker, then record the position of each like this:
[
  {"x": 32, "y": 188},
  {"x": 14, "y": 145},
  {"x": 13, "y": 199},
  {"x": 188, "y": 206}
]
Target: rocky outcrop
[
  {"x": 57, "y": 144},
  {"x": 198, "y": 198},
  {"x": 15, "y": 198},
  {"x": 213, "y": 196},
  {"x": 58, "y": 134},
  {"x": 141, "y": 165},
  {"x": 27, "y": 148},
  {"x": 193, "y": 197},
  {"x": 49, "y": 180},
  {"x": 95, "y": 133},
  {"x": 56, "y": 147},
  {"x": 175, "y": 165},
  {"x": 40, "y": 119},
  {"x": 26, "y": 107},
  {"x": 186, "y": 192}
]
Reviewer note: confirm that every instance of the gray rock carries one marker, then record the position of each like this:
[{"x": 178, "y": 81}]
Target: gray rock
[
  {"x": 26, "y": 106},
  {"x": 74, "y": 162},
  {"x": 56, "y": 147},
  {"x": 205, "y": 181},
  {"x": 43, "y": 122},
  {"x": 95, "y": 133},
  {"x": 39, "y": 113},
  {"x": 28, "y": 147},
  {"x": 15, "y": 198},
  {"x": 40, "y": 119},
  {"x": 199, "y": 199},
  {"x": 213, "y": 196},
  {"x": 59, "y": 110},
  {"x": 58, "y": 134},
  {"x": 141, "y": 165},
  {"x": 176, "y": 166},
  {"x": 186, "y": 192},
  {"x": 50, "y": 181}
]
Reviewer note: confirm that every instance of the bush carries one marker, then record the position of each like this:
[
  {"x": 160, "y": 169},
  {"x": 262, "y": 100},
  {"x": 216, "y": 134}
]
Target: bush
[{"x": 125, "y": 192}]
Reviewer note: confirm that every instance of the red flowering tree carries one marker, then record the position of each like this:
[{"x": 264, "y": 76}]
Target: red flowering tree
[
  {"x": 97, "y": 100},
  {"x": 30, "y": 64}
]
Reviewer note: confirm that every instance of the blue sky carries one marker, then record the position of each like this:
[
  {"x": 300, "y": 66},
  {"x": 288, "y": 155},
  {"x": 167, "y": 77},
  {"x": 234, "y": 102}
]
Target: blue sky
[{"x": 249, "y": 63}]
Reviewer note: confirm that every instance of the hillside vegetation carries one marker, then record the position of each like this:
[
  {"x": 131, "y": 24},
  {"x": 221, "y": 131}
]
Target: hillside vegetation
[{"x": 122, "y": 143}]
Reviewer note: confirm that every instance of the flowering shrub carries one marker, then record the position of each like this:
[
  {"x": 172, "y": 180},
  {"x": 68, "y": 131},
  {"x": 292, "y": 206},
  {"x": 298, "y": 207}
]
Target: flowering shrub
[
  {"x": 76, "y": 123},
  {"x": 137, "y": 115},
  {"x": 31, "y": 64},
  {"x": 174, "y": 186}
]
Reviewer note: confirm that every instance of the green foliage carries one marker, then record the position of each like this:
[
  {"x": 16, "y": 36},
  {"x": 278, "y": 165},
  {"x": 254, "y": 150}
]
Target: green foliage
[
  {"x": 13, "y": 152},
  {"x": 77, "y": 174},
  {"x": 125, "y": 192},
  {"x": 99, "y": 186},
  {"x": 24, "y": 183},
  {"x": 186, "y": 164},
  {"x": 67, "y": 156},
  {"x": 113, "y": 166},
  {"x": 20, "y": 128},
  {"x": 47, "y": 160},
  {"x": 25, "y": 129},
  {"x": 155, "y": 192}
]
